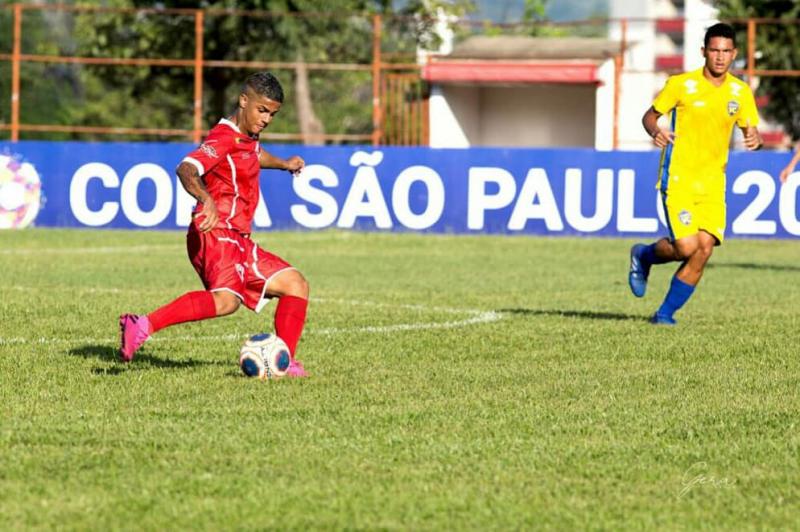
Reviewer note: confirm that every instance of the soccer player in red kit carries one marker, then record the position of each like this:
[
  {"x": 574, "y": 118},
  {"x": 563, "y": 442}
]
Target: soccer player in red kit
[{"x": 222, "y": 175}]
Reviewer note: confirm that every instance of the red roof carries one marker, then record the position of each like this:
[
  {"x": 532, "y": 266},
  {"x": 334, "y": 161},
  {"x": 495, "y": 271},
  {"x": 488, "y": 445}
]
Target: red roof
[{"x": 578, "y": 72}]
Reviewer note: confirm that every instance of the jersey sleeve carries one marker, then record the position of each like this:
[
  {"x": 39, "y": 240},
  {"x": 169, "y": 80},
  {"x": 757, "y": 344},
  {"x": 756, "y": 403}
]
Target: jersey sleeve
[
  {"x": 669, "y": 96},
  {"x": 214, "y": 149},
  {"x": 749, "y": 113}
]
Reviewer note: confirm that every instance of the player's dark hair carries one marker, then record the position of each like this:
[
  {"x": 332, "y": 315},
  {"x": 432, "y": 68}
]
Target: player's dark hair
[
  {"x": 265, "y": 84},
  {"x": 719, "y": 29}
]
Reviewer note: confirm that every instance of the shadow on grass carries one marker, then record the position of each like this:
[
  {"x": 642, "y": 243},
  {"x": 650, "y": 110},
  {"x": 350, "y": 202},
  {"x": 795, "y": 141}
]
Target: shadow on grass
[
  {"x": 754, "y": 266},
  {"x": 143, "y": 360},
  {"x": 584, "y": 314}
]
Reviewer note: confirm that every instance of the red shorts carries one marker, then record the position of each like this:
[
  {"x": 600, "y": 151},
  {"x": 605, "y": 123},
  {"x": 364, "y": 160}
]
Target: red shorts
[{"x": 228, "y": 260}]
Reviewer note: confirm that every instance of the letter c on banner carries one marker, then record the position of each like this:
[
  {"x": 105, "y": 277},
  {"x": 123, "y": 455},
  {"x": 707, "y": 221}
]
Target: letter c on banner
[
  {"x": 77, "y": 194},
  {"x": 400, "y": 199}
]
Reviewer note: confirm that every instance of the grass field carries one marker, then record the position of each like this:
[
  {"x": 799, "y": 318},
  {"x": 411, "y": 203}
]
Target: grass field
[{"x": 457, "y": 383}]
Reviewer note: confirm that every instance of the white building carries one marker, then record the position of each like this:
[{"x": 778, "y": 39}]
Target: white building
[{"x": 522, "y": 91}]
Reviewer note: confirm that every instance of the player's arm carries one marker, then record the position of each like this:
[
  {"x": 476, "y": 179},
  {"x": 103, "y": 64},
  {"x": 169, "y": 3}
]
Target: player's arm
[
  {"x": 193, "y": 184},
  {"x": 293, "y": 164},
  {"x": 792, "y": 164},
  {"x": 660, "y": 136},
  {"x": 752, "y": 138}
]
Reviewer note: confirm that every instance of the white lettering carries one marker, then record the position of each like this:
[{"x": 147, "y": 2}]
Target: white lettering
[
  {"x": 788, "y": 204},
  {"x": 747, "y": 222},
  {"x": 627, "y": 222},
  {"x": 401, "y": 201},
  {"x": 536, "y": 187},
  {"x": 478, "y": 201},
  {"x": 184, "y": 203},
  {"x": 261, "y": 217},
  {"x": 129, "y": 194},
  {"x": 604, "y": 198},
  {"x": 303, "y": 187},
  {"x": 365, "y": 199},
  {"x": 77, "y": 194}
]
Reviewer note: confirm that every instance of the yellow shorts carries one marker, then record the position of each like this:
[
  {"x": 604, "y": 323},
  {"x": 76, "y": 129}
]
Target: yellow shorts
[{"x": 690, "y": 211}]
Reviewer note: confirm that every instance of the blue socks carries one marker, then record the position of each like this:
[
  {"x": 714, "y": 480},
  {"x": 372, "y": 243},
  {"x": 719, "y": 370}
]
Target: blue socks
[
  {"x": 679, "y": 293},
  {"x": 648, "y": 255}
]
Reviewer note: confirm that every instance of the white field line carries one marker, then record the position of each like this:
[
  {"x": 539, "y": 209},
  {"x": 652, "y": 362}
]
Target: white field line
[
  {"x": 474, "y": 316},
  {"x": 95, "y": 249},
  {"x": 179, "y": 246}
]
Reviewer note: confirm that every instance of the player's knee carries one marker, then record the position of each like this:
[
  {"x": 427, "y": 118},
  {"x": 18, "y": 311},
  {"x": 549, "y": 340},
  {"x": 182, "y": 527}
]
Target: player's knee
[
  {"x": 226, "y": 303},
  {"x": 684, "y": 250},
  {"x": 298, "y": 286},
  {"x": 704, "y": 252}
]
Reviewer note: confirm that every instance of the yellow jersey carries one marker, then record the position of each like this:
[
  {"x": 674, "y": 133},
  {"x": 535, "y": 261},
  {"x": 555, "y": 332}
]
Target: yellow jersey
[{"x": 702, "y": 119}]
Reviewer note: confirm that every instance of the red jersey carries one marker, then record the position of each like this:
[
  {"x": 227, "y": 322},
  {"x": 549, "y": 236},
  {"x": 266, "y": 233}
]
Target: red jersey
[{"x": 228, "y": 162}]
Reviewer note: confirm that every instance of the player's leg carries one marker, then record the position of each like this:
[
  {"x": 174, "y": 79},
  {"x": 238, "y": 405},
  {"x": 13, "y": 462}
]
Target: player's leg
[
  {"x": 268, "y": 276},
  {"x": 644, "y": 256},
  {"x": 217, "y": 262},
  {"x": 696, "y": 251},
  {"x": 291, "y": 289}
]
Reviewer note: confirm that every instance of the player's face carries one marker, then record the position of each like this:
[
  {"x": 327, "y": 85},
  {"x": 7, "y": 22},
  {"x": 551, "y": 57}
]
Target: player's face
[
  {"x": 257, "y": 112},
  {"x": 719, "y": 55}
]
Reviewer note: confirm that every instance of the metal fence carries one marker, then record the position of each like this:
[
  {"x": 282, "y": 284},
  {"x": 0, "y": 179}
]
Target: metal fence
[{"x": 81, "y": 72}]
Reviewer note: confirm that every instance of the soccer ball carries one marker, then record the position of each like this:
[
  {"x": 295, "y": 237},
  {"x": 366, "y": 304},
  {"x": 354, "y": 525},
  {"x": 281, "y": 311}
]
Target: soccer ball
[{"x": 264, "y": 356}]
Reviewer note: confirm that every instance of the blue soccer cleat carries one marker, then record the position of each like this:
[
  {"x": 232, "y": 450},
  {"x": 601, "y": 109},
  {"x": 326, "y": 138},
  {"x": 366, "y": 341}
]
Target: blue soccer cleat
[
  {"x": 660, "y": 319},
  {"x": 637, "y": 277}
]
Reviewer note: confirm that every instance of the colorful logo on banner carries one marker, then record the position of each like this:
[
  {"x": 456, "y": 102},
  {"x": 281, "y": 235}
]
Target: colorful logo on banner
[{"x": 20, "y": 192}]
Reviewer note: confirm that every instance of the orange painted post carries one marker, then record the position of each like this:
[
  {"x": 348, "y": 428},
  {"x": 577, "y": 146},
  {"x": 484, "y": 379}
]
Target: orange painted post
[
  {"x": 426, "y": 116},
  {"x": 15, "y": 60},
  {"x": 198, "y": 76},
  {"x": 619, "y": 65},
  {"x": 377, "y": 120},
  {"x": 751, "y": 51}
]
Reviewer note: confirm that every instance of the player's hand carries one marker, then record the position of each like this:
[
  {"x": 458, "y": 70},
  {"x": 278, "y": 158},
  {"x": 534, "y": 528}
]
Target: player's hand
[
  {"x": 295, "y": 164},
  {"x": 208, "y": 216},
  {"x": 786, "y": 172},
  {"x": 752, "y": 140},
  {"x": 663, "y": 137}
]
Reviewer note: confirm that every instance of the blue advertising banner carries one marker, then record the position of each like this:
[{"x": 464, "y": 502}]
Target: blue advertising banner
[{"x": 478, "y": 190}]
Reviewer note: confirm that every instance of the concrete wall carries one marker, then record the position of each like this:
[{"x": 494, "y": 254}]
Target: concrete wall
[{"x": 533, "y": 115}]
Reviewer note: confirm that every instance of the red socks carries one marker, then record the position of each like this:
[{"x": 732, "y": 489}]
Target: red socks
[
  {"x": 290, "y": 317},
  {"x": 191, "y": 306}
]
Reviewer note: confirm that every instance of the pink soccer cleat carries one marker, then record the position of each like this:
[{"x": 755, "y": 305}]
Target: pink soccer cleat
[
  {"x": 134, "y": 330},
  {"x": 296, "y": 369}
]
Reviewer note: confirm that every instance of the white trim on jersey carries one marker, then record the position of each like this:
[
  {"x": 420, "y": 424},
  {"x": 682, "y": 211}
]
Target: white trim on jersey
[
  {"x": 231, "y": 241},
  {"x": 235, "y": 191},
  {"x": 194, "y": 162},
  {"x": 230, "y": 124},
  {"x": 237, "y": 294}
]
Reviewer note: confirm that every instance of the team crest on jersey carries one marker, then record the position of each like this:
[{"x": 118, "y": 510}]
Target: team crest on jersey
[
  {"x": 685, "y": 217},
  {"x": 733, "y": 107},
  {"x": 209, "y": 150}
]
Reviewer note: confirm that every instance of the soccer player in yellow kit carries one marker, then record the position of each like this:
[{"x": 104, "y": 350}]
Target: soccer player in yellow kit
[{"x": 704, "y": 105}]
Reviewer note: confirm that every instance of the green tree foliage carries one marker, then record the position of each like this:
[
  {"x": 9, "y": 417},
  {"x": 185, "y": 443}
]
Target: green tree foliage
[
  {"x": 162, "y": 96},
  {"x": 778, "y": 48}
]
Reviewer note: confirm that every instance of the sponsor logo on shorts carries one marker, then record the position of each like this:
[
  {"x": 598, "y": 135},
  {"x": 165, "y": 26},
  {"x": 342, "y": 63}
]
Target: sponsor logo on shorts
[
  {"x": 209, "y": 150},
  {"x": 240, "y": 271},
  {"x": 685, "y": 217},
  {"x": 733, "y": 107}
]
